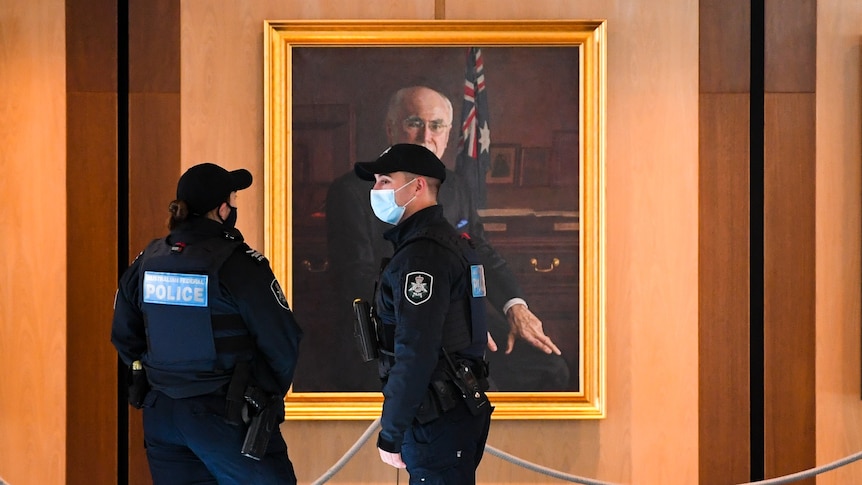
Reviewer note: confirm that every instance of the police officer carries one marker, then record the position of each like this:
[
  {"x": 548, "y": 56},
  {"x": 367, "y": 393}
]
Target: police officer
[
  {"x": 204, "y": 316},
  {"x": 430, "y": 308}
]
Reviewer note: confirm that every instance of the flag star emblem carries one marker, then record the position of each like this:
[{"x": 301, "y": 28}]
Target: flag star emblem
[{"x": 484, "y": 138}]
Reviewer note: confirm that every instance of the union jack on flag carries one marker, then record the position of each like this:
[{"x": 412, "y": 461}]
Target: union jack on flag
[{"x": 474, "y": 157}]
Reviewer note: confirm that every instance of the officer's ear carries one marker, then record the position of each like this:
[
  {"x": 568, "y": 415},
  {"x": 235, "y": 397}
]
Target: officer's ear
[{"x": 224, "y": 210}]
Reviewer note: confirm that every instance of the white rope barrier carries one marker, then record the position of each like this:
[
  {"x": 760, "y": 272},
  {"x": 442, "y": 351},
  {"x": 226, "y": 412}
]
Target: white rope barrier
[
  {"x": 541, "y": 469},
  {"x": 572, "y": 478},
  {"x": 810, "y": 472}
]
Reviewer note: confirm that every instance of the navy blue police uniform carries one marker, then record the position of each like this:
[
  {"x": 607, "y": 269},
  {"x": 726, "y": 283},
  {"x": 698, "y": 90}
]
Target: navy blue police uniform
[
  {"x": 425, "y": 306},
  {"x": 204, "y": 314}
]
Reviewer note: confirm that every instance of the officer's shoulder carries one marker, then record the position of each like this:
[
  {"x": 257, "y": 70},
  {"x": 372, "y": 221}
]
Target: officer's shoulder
[
  {"x": 425, "y": 245},
  {"x": 151, "y": 244},
  {"x": 251, "y": 254}
]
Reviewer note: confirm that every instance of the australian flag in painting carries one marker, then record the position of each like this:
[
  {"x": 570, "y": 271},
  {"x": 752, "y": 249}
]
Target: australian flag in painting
[{"x": 475, "y": 139}]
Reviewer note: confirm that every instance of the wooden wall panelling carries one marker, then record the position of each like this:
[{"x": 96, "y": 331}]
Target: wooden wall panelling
[
  {"x": 724, "y": 242},
  {"x": 725, "y": 46},
  {"x": 789, "y": 244},
  {"x": 790, "y": 56},
  {"x": 839, "y": 215},
  {"x": 154, "y": 46},
  {"x": 33, "y": 253},
  {"x": 91, "y": 46},
  {"x": 92, "y": 279},
  {"x": 91, "y": 181},
  {"x": 154, "y": 164},
  {"x": 789, "y": 239}
]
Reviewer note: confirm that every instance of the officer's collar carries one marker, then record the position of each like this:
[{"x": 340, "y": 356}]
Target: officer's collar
[
  {"x": 198, "y": 228},
  {"x": 416, "y": 222}
]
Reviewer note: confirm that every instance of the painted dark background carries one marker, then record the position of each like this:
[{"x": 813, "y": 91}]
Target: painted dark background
[{"x": 339, "y": 97}]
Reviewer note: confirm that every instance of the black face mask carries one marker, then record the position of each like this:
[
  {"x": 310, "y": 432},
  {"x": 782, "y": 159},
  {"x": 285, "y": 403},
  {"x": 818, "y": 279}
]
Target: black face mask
[{"x": 230, "y": 222}]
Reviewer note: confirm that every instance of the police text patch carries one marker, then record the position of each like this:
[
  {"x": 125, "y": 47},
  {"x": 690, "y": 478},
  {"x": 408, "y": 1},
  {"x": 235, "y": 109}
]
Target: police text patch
[
  {"x": 175, "y": 288},
  {"x": 417, "y": 287}
]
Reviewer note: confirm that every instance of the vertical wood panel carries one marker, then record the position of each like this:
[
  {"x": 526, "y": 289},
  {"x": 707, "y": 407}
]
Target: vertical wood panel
[
  {"x": 91, "y": 114},
  {"x": 791, "y": 46},
  {"x": 154, "y": 47},
  {"x": 154, "y": 164},
  {"x": 789, "y": 177},
  {"x": 91, "y": 45},
  {"x": 724, "y": 242},
  {"x": 92, "y": 279},
  {"x": 724, "y": 318},
  {"x": 839, "y": 225},
  {"x": 33, "y": 252},
  {"x": 725, "y": 46}
]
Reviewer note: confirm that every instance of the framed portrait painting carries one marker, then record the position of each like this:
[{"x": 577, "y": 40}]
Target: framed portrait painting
[{"x": 508, "y": 89}]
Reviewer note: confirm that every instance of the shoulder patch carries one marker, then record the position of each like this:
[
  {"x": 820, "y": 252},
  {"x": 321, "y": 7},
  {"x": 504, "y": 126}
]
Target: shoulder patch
[
  {"x": 279, "y": 295},
  {"x": 260, "y": 258},
  {"x": 418, "y": 286}
]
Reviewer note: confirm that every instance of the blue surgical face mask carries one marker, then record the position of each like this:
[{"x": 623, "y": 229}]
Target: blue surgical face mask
[{"x": 384, "y": 206}]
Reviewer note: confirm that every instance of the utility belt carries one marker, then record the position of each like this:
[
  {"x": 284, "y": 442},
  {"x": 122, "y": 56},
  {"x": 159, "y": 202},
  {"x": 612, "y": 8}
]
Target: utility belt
[
  {"x": 458, "y": 380},
  {"x": 463, "y": 381}
]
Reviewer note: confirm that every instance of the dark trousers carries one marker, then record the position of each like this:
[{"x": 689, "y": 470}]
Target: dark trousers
[
  {"x": 189, "y": 442},
  {"x": 448, "y": 450}
]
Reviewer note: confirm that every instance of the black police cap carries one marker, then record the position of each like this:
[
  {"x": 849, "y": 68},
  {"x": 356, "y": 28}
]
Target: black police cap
[
  {"x": 204, "y": 187},
  {"x": 403, "y": 157}
]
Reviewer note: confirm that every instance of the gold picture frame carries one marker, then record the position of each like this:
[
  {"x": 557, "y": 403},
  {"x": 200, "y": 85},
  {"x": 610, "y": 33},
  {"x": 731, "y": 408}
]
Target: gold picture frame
[{"x": 286, "y": 214}]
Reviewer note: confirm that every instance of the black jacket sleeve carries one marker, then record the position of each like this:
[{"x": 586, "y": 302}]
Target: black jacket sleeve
[
  {"x": 248, "y": 279},
  {"x": 127, "y": 328}
]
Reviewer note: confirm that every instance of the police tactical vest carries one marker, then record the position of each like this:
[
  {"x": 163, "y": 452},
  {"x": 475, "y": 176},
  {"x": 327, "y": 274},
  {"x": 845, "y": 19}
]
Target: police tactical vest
[
  {"x": 191, "y": 328},
  {"x": 468, "y": 339}
]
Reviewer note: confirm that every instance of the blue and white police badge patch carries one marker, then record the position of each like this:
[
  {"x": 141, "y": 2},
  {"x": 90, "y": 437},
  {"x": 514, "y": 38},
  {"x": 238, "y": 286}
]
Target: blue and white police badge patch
[
  {"x": 279, "y": 295},
  {"x": 417, "y": 287}
]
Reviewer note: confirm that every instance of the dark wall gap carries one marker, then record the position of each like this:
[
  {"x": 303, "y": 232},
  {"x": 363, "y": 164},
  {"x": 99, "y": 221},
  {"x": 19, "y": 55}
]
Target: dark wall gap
[
  {"x": 122, "y": 221},
  {"x": 758, "y": 48}
]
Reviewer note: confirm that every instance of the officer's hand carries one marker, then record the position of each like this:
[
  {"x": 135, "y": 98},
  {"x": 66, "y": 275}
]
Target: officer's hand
[
  {"x": 523, "y": 323},
  {"x": 492, "y": 345},
  {"x": 393, "y": 459}
]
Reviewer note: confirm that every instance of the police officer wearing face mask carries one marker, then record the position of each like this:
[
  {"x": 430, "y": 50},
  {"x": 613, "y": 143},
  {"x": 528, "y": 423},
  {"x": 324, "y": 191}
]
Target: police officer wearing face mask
[
  {"x": 431, "y": 326},
  {"x": 203, "y": 316}
]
